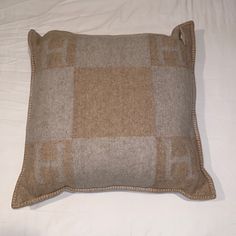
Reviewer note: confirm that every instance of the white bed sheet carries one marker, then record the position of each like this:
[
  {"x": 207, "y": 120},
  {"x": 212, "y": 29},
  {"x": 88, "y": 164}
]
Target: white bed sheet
[{"x": 123, "y": 213}]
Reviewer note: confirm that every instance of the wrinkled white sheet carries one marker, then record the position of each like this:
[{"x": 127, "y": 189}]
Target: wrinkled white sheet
[{"x": 123, "y": 213}]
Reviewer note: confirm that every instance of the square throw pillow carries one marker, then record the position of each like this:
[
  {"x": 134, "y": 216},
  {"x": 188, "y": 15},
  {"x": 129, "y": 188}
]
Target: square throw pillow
[{"x": 112, "y": 112}]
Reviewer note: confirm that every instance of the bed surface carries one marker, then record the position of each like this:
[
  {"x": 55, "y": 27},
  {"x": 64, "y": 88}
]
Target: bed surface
[{"x": 123, "y": 213}]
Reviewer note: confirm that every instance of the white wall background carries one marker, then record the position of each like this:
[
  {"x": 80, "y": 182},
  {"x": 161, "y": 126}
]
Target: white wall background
[{"x": 123, "y": 213}]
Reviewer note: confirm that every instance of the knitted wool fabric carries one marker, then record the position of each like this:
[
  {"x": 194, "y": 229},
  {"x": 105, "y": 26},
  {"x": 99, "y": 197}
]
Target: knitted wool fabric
[{"x": 112, "y": 112}]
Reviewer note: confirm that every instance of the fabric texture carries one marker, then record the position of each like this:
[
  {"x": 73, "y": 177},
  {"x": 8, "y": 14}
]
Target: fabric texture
[{"x": 112, "y": 112}]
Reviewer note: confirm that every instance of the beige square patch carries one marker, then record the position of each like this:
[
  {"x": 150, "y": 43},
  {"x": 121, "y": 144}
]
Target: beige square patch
[
  {"x": 58, "y": 50},
  {"x": 113, "y": 102},
  {"x": 167, "y": 51}
]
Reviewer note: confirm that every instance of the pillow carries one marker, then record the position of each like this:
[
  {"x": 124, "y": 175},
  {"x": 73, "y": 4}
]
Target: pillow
[{"x": 112, "y": 112}]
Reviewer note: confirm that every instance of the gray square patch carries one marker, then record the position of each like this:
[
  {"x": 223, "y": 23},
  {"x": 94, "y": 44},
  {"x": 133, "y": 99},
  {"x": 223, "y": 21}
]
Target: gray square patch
[
  {"x": 126, "y": 161},
  {"x": 105, "y": 51},
  {"x": 52, "y": 105},
  {"x": 173, "y": 101}
]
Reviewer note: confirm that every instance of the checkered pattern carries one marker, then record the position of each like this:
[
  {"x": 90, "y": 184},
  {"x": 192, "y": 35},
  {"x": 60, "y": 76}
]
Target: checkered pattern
[{"x": 111, "y": 111}]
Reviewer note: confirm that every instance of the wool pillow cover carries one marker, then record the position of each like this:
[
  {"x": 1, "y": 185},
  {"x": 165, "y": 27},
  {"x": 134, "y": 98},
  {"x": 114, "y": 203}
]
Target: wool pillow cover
[{"x": 112, "y": 112}]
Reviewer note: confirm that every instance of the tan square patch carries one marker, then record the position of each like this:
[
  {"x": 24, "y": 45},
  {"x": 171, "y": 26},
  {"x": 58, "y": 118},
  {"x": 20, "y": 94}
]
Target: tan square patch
[
  {"x": 113, "y": 102},
  {"x": 48, "y": 168},
  {"x": 167, "y": 51},
  {"x": 177, "y": 165},
  {"x": 58, "y": 51},
  {"x": 52, "y": 162}
]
